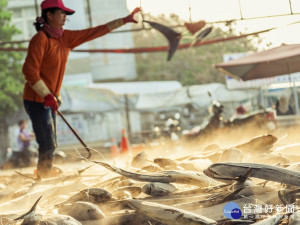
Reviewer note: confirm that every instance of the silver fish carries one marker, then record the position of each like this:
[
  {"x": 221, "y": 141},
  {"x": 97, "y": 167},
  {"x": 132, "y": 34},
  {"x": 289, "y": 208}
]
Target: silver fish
[
  {"x": 258, "y": 144},
  {"x": 82, "y": 211},
  {"x": 168, "y": 215},
  {"x": 184, "y": 177},
  {"x": 152, "y": 168},
  {"x": 166, "y": 163},
  {"x": 94, "y": 195},
  {"x": 58, "y": 220},
  {"x": 266, "y": 172},
  {"x": 234, "y": 155},
  {"x": 294, "y": 218},
  {"x": 140, "y": 160},
  {"x": 158, "y": 189}
]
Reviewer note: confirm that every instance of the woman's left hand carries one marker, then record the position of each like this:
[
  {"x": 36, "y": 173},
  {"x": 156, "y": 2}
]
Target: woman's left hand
[{"x": 130, "y": 18}]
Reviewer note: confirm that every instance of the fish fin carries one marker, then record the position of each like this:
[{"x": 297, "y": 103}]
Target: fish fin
[
  {"x": 84, "y": 169},
  {"x": 244, "y": 177},
  {"x": 31, "y": 210}
]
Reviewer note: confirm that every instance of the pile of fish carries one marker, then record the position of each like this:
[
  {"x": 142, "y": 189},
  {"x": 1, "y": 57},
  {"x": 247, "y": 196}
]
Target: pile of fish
[{"x": 215, "y": 186}]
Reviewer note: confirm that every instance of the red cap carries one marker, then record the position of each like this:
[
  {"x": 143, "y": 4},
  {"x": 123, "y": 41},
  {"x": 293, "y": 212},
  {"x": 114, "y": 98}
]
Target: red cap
[{"x": 46, "y": 4}]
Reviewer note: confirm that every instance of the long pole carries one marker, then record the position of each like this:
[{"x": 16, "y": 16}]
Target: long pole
[
  {"x": 291, "y": 8},
  {"x": 76, "y": 134},
  {"x": 36, "y": 8},
  {"x": 127, "y": 115},
  {"x": 89, "y": 12},
  {"x": 296, "y": 98}
]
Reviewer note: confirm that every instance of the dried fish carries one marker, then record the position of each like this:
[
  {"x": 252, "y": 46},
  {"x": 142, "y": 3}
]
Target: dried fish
[
  {"x": 258, "y": 144},
  {"x": 82, "y": 211},
  {"x": 94, "y": 195},
  {"x": 184, "y": 177},
  {"x": 272, "y": 159},
  {"x": 294, "y": 218},
  {"x": 166, "y": 163},
  {"x": 234, "y": 155},
  {"x": 172, "y": 36},
  {"x": 58, "y": 220},
  {"x": 31, "y": 217},
  {"x": 168, "y": 215},
  {"x": 158, "y": 189},
  {"x": 140, "y": 160},
  {"x": 152, "y": 168},
  {"x": 266, "y": 172}
]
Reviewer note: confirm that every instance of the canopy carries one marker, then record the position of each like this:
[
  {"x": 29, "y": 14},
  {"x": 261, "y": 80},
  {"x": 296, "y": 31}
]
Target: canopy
[{"x": 274, "y": 62}]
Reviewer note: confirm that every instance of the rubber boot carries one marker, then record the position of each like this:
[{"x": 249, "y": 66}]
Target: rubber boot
[{"x": 44, "y": 166}]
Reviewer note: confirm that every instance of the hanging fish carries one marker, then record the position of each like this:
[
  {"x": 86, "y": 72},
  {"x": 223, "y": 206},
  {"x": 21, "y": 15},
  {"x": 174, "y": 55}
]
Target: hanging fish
[
  {"x": 172, "y": 36},
  {"x": 203, "y": 34},
  {"x": 195, "y": 27}
]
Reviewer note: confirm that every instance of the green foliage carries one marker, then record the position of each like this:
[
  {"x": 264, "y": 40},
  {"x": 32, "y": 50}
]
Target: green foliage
[
  {"x": 11, "y": 77},
  {"x": 191, "y": 66}
]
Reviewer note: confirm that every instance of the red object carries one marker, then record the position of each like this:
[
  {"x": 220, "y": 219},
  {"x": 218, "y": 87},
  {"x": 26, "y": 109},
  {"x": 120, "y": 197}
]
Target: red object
[
  {"x": 240, "y": 110},
  {"x": 124, "y": 142},
  {"x": 130, "y": 18},
  {"x": 50, "y": 102},
  {"x": 270, "y": 116},
  {"x": 46, "y": 4},
  {"x": 195, "y": 27},
  {"x": 114, "y": 151}
]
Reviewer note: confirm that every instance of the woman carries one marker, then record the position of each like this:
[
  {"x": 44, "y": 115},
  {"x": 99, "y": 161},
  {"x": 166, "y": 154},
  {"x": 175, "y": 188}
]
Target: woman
[{"x": 44, "y": 69}]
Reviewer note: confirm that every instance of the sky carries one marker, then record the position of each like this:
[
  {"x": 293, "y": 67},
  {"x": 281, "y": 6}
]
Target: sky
[{"x": 220, "y": 10}]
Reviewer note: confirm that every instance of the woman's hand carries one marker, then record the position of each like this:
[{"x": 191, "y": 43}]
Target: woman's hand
[{"x": 130, "y": 18}]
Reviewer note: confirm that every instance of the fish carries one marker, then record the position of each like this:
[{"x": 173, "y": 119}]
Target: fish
[
  {"x": 262, "y": 171},
  {"x": 166, "y": 163},
  {"x": 157, "y": 189},
  {"x": 203, "y": 34},
  {"x": 234, "y": 155},
  {"x": 223, "y": 196},
  {"x": 271, "y": 158},
  {"x": 152, "y": 168},
  {"x": 184, "y": 177},
  {"x": 140, "y": 160},
  {"x": 172, "y": 36},
  {"x": 30, "y": 217},
  {"x": 294, "y": 218},
  {"x": 33, "y": 218},
  {"x": 82, "y": 211},
  {"x": 58, "y": 220},
  {"x": 94, "y": 195},
  {"x": 167, "y": 214},
  {"x": 262, "y": 143}
]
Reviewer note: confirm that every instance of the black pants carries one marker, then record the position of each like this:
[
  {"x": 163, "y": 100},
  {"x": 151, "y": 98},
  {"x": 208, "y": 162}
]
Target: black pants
[{"x": 44, "y": 126}]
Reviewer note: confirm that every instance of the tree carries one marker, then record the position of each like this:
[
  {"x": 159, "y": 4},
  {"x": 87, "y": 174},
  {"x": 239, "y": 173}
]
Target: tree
[
  {"x": 11, "y": 78},
  {"x": 190, "y": 66}
]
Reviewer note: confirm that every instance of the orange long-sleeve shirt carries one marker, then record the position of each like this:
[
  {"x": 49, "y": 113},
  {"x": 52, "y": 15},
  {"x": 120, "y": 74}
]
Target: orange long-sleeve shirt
[{"x": 47, "y": 57}]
